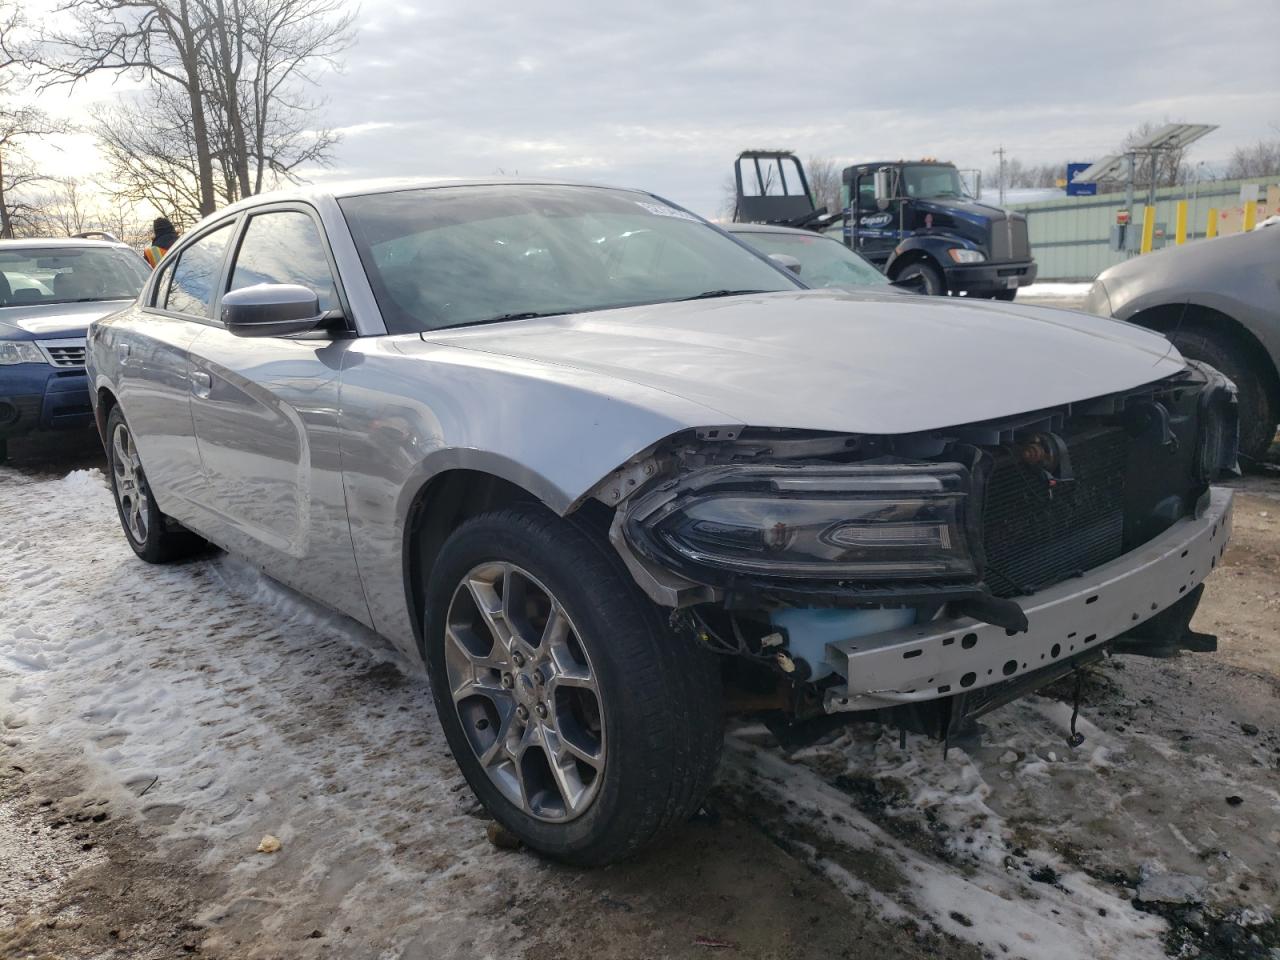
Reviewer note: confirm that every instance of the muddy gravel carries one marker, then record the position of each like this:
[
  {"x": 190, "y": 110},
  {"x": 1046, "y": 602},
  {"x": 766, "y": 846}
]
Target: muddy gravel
[{"x": 157, "y": 723}]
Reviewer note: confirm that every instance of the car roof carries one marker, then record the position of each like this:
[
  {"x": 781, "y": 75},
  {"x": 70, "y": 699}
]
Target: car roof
[
  {"x": 339, "y": 190},
  {"x": 771, "y": 228},
  {"x": 61, "y": 243}
]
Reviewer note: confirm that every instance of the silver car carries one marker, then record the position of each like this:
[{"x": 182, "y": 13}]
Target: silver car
[
  {"x": 1219, "y": 302},
  {"x": 607, "y": 470}
]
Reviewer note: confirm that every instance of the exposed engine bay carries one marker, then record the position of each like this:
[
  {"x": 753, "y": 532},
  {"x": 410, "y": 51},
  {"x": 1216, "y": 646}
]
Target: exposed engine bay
[{"x": 809, "y": 558}]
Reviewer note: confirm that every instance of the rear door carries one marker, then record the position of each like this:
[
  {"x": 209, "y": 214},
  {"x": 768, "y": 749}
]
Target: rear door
[{"x": 265, "y": 411}]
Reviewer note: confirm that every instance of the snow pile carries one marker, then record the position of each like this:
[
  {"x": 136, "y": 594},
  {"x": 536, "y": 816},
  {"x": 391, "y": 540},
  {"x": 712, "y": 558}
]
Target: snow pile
[
  {"x": 200, "y": 685},
  {"x": 217, "y": 708}
]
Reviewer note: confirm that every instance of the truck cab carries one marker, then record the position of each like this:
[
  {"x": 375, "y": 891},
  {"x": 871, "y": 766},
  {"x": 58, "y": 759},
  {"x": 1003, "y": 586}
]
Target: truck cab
[{"x": 915, "y": 220}]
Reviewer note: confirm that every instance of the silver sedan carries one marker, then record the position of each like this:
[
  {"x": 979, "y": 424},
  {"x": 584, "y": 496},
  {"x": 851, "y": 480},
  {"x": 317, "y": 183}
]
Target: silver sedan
[{"x": 597, "y": 462}]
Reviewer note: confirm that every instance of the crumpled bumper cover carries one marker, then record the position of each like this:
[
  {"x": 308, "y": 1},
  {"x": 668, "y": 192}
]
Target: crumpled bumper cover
[{"x": 952, "y": 656}]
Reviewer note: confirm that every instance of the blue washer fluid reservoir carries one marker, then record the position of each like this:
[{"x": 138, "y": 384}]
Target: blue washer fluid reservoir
[{"x": 810, "y": 629}]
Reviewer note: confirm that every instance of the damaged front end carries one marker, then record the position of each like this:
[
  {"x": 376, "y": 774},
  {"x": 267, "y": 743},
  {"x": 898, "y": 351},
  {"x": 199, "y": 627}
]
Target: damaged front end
[{"x": 928, "y": 578}]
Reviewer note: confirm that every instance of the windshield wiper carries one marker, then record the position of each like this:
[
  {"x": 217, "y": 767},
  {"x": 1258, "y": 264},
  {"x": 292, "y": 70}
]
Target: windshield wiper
[
  {"x": 712, "y": 294},
  {"x": 502, "y": 317}
]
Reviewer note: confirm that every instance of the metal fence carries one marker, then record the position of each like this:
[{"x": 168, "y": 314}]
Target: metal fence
[{"x": 1071, "y": 237}]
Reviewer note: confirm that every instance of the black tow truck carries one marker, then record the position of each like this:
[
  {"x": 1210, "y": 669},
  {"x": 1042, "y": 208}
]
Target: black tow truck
[{"x": 913, "y": 219}]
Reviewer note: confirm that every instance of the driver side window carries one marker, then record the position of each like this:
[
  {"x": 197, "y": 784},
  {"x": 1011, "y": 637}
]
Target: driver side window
[
  {"x": 867, "y": 192},
  {"x": 285, "y": 247}
]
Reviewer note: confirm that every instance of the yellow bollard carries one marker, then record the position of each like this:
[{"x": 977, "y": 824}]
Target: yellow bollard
[
  {"x": 1148, "y": 228},
  {"x": 1250, "y": 215},
  {"x": 1211, "y": 229},
  {"x": 1180, "y": 224}
]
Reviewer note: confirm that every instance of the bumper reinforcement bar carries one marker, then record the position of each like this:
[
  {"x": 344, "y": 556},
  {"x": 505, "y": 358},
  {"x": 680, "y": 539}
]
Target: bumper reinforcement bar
[{"x": 953, "y": 656}]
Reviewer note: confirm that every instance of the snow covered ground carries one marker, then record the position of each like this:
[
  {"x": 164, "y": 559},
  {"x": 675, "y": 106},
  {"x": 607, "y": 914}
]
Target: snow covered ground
[
  {"x": 157, "y": 722},
  {"x": 1049, "y": 290}
]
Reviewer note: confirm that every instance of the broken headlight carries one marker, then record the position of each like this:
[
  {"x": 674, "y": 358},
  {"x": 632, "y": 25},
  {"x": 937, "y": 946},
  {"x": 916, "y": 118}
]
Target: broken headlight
[{"x": 874, "y": 522}]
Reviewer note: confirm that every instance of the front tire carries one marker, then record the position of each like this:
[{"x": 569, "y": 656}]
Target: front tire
[
  {"x": 153, "y": 536},
  {"x": 935, "y": 285},
  {"x": 581, "y": 721},
  {"x": 1258, "y": 411}
]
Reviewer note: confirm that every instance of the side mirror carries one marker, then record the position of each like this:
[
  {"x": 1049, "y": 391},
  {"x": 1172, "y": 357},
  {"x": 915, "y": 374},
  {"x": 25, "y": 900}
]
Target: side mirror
[
  {"x": 271, "y": 310},
  {"x": 786, "y": 261},
  {"x": 884, "y": 189}
]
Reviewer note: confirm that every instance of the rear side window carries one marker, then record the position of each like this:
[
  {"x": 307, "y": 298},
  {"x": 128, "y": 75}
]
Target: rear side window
[
  {"x": 195, "y": 275},
  {"x": 284, "y": 247}
]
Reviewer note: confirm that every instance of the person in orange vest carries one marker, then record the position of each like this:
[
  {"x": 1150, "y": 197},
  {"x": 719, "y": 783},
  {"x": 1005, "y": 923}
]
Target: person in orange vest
[{"x": 163, "y": 237}]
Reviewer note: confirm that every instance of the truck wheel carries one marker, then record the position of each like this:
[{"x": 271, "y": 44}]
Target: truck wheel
[
  {"x": 153, "y": 536},
  {"x": 1258, "y": 411},
  {"x": 930, "y": 276},
  {"x": 581, "y": 721}
]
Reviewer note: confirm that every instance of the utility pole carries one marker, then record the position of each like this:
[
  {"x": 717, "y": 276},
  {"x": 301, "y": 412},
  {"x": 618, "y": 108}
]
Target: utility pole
[{"x": 1000, "y": 153}]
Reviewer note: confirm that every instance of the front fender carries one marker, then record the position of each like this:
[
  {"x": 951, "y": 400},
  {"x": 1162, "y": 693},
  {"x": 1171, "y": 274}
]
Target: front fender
[
  {"x": 411, "y": 410},
  {"x": 932, "y": 245}
]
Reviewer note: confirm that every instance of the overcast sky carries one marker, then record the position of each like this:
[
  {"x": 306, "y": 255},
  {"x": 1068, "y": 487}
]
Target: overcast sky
[{"x": 663, "y": 94}]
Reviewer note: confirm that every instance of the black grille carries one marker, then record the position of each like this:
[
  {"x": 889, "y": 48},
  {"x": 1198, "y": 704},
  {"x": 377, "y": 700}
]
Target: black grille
[
  {"x": 1009, "y": 240},
  {"x": 1021, "y": 249},
  {"x": 1036, "y": 535}
]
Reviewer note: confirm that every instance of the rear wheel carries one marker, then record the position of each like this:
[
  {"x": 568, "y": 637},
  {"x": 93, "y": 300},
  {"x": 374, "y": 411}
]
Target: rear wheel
[
  {"x": 153, "y": 536},
  {"x": 929, "y": 276},
  {"x": 1258, "y": 410},
  {"x": 581, "y": 721}
]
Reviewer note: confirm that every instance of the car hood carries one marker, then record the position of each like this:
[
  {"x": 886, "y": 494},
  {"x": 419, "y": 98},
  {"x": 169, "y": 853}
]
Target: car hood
[
  {"x": 831, "y": 360},
  {"x": 52, "y": 320}
]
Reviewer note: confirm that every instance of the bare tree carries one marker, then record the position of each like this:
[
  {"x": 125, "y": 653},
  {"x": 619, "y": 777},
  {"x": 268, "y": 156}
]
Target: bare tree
[
  {"x": 824, "y": 175},
  {"x": 159, "y": 39},
  {"x": 269, "y": 50},
  {"x": 149, "y": 147},
  {"x": 18, "y": 124},
  {"x": 227, "y": 113},
  {"x": 66, "y": 211},
  {"x": 1260, "y": 160},
  {"x": 1022, "y": 176}
]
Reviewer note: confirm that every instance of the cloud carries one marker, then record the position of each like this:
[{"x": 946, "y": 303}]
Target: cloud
[{"x": 664, "y": 94}]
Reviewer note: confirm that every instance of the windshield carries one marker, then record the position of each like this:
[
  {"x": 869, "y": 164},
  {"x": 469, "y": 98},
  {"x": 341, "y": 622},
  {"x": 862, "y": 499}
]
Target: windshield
[
  {"x": 824, "y": 262},
  {"x": 930, "y": 180},
  {"x": 450, "y": 256},
  {"x": 30, "y": 276}
]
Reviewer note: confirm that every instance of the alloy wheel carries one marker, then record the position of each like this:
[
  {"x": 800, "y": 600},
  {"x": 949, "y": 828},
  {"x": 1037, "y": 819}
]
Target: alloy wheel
[
  {"x": 525, "y": 692},
  {"x": 130, "y": 483}
]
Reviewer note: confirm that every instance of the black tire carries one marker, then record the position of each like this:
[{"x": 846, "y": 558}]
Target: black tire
[
  {"x": 659, "y": 692},
  {"x": 1005, "y": 294},
  {"x": 1258, "y": 410},
  {"x": 154, "y": 537},
  {"x": 935, "y": 285}
]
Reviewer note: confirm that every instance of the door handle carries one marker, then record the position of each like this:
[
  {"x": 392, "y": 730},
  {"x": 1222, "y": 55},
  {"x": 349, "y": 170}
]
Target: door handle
[{"x": 201, "y": 383}]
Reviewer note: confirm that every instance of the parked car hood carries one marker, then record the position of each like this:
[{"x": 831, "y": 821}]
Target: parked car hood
[
  {"x": 53, "y": 320},
  {"x": 1235, "y": 268},
  {"x": 831, "y": 360}
]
